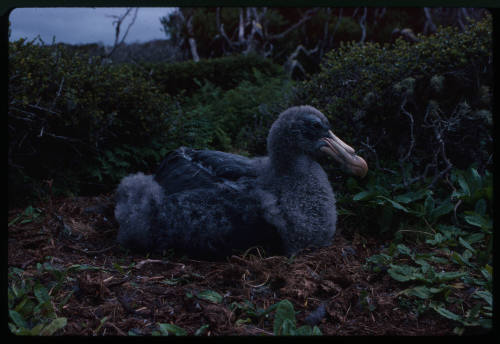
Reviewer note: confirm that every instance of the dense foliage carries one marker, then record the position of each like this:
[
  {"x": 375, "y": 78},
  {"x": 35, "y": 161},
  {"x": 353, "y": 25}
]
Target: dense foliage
[
  {"x": 428, "y": 97},
  {"x": 226, "y": 72},
  {"x": 80, "y": 124},
  {"x": 71, "y": 117}
]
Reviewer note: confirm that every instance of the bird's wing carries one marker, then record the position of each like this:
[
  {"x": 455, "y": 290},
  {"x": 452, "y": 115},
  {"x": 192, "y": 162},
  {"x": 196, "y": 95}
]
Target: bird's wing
[{"x": 187, "y": 169}]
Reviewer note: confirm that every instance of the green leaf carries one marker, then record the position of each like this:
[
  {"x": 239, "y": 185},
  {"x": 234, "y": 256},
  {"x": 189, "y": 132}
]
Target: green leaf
[
  {"x": 66, "y": 299},
  {"x": 363, "y": 195},
  {"x": 411, "y": 196},
  {"x": 14, "y": 221},
  {"x": 284, "y": 312},
  {"x": 240, "y": 322},
  {"x": 480, "y": 207},
  {"x": 173, "y": 281},
  {"x": 449, "y": 275},
  {"x": 463, "y": 184},
  {"x": 118, "y": 267},
  {"x": 474, "y": 238},
  {"x": 446, "y": 313},
  {"x": 210, "y": 295},
  {"x": 438, "y": 238},
  {"x": 201, "y": 330},
  {"x": 439, "y": 260},
  {"x": 288, "y": 328},
  {"x": 394, "y": 204},
  {"x": 475, "y": 179},
  {"x": 83, "y": 267},
  {"x": 485, "y": 295},
  {"x": 477, "y": 220},
  {"x": 54, "y": 326},
  {"x": 35, "y": 331},
  {"x": 41, "y": 293},
  {"x": 403, "y": 273},
  {"x": 429, "y": 205},
  {"x": 487, "y": 273},
  {"x": 421, "y": 292},
  {"x": 305, "y": 330},
  {"x": 316, "y": 331},
  {"x": 443, "y": 209},
  {"x": 403, "y": 249},
  {"x": 167, "y": 329},
  {"x": 466, "y": 244},
  {"x": 17, "y": 319},
  {"x": 489, "y": 269},
  {"x": 474, "y": 220},
  {"x": 486, "y": 323}
]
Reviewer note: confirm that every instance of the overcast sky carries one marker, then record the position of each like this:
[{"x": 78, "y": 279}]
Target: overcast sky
[{"x": 85, "y": 25}]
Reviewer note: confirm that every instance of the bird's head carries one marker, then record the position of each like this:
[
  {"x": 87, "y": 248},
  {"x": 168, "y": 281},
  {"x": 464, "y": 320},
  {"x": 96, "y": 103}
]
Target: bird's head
[{"x": 305, "y": 130}]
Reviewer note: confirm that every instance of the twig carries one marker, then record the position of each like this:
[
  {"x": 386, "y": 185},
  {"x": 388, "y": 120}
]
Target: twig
[
  {"x": 148, "y": 261},
  {"x": 428, "y": 225},
  {"x": 118, "y": 22},
  {"x": 428, "y": 22},
  {"x": 377, "y": 162},
  {"x": 58, "y": 93},
  {"x": 43, "y": 109},
  {"x": 442, "y": 150},
  {"x": 89, "y": 252},
  {"x": 348, "y": 309},
  {"x": 412, "y": 142},
  {"x": 258, "y": 285}
]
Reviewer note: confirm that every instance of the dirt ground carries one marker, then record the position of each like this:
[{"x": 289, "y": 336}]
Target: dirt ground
[{"x": 163, "y": 289}]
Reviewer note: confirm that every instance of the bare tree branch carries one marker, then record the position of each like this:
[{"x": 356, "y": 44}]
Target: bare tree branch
[
  {"x": 307, "y": 15},
  {"x": 292, "y": 61},
  {"x": 241, "y": 27},
  {"x": 191, "y": 40},
  {"x": 362, "y": 21},
  {"x": 429, "y": 24},
  {"x": 377, "y": 161},
  {"x": 412, "y": 137},
  {"x": 117, "y": 24}
]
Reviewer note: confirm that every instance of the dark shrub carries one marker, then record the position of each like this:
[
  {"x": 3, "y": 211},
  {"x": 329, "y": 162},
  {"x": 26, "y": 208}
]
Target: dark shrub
[
  {"x": 224, "y": 72},
  {"x": 84, "y": 123},
  {"x": 78, "y": 121},
  {"x": 427, "y": 103}
]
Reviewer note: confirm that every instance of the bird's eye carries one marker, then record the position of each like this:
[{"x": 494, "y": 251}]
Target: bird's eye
[{"x": 317, "y": 125}]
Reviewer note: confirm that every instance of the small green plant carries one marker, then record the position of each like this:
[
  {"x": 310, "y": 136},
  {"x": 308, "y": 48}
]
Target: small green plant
[
  {"x": 168, "y": 330},
  {"x": 29, "y": 214},
  {"x": 210, "y": 295},
  {"x": 252, "y": 312},
  {"x": 31, "y": 309},
  {"x": 285, "y": 323},
  {"x": 284, "y": 318},
  {"x": 456, "y": 254}
]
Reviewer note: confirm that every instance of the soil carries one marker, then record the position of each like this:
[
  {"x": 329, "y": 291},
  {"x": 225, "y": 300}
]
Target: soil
[{"x": 136, "y": 292}]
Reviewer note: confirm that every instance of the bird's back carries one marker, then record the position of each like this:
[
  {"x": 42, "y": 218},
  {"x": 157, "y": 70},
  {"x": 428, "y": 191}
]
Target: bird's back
[{"x": 188, "y": 169}]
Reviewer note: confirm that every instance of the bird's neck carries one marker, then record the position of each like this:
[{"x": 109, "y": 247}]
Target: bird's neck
[{"x": 298, "y": 165}]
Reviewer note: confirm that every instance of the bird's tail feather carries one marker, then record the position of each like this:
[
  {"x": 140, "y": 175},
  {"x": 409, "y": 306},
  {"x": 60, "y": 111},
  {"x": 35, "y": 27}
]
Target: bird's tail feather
[{"x": 138, "y": 201}]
